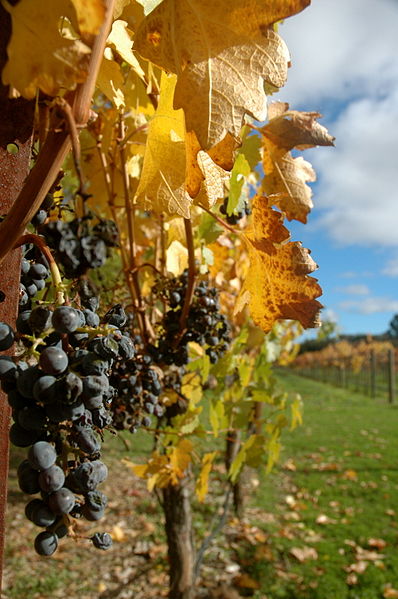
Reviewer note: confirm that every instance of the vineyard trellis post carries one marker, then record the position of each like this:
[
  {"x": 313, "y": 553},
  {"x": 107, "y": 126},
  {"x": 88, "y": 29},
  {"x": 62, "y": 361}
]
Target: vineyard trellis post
[
  {"x": 391, "y": 375},
  {"x": 372, "y": 374},
  {"x": 16, "y": 129}
]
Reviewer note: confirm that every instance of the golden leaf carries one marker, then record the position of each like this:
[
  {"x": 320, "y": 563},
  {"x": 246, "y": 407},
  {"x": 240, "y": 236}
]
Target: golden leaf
[
  {"x": 202, "y": 483},
  {"x": 277, "y": 284},
  {"x": 110, "y": 81},
  {"x": 121, "y": 40},
  {"x": 220, "y": 52},
  {"x": 161, "y": 186},
  {"x": 90, "y": 15},
  {"x": 286, "y": 177},
  {"x": 38, "y": 55}
]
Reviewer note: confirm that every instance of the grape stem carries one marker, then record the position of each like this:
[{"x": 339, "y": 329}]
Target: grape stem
[
  {"x": 220, "y": 220},
  {"x": 45, "y": 250}
]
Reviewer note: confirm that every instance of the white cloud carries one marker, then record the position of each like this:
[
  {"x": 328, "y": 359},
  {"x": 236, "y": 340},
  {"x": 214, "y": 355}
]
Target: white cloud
[
  {"x": 358, "y": 289},
  {"x": 341, "y": 49},
  {"x": 358, "y": 178},
  {"x": 391, "y": 268},
  {"x": 370, "y": 305},
  {"x": 345, "y": 52}
]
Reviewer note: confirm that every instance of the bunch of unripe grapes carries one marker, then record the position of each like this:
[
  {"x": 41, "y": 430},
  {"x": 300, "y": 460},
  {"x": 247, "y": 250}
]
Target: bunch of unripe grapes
[{"x": 205, "y": 324}]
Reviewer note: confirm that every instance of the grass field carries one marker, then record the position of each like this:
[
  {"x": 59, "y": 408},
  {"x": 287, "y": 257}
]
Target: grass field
[
  {"x": 334, "y": 497},
  {"x": 323, "y": 525}
]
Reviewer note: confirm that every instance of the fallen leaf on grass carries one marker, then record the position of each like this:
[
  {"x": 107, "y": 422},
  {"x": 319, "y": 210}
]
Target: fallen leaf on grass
[
  {"x": 390, "y": 593},
  {"x": 371, "y": 556},
  {"x": 303, "y": 554},
  {"x": 118, "y": 534},
  {"x": 246, "y": 582},
  {"x": 357, "y": 567},
  {"x": 323, "y": 519},
  {"x": 377, "y": 543},
  {"x": 352, "y": 579},
  {"x": 289, "y": 465},
  {"x": 350, "y": 475}
]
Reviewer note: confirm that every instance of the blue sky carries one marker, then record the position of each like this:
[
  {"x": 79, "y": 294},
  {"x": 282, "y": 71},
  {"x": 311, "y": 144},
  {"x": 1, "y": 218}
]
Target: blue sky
[{"x": 345, "y": 66}]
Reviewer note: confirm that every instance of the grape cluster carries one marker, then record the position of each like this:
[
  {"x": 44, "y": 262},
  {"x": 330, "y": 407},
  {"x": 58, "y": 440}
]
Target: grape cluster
[
  {"x": 78, "y": 244},
  {"x": 34, "y": 272},
  {"x": 60, "y": 401},
  {"x": 235, "y": 217},
  {"x": 138, "y": 387},
  {"x": 42, "y": 214},
  {"x": 204, "y": 324}
]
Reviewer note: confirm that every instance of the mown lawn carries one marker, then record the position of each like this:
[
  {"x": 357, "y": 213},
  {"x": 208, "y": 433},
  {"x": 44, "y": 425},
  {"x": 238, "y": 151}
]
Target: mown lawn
[{"x": 334, "y": 497}]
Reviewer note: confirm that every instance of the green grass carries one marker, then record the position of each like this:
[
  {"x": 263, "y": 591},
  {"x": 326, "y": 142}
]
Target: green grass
[{"x": 338, "y": 490}]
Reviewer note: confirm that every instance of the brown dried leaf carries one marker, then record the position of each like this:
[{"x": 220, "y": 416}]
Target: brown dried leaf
[
  {"x": 286, "y": 177},
  {"x": 277, "y": 285},
  {"x": 302, "y": 554}
]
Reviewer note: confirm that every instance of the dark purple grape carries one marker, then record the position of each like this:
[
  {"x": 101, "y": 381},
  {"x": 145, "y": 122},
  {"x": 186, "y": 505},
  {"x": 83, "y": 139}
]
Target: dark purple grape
[
  {"x": 42, "y": 455},
  {"x": 28, "y": 478},
  {"x": 46, "y": 543},
  {"x": 65, "y": 319},
  {"x": 27, "y": 379},
  {"x": 92, "y": 515},
  {"x": 62, "y": 501},
  {"x": 69, "y": 387},
  {"x": 20, "y": 437},
  {"x": 40, "y": 318},
  {"x": 53, "y": 360},
  {"x": 42, "y": 515},
  {"x": 32, "y": 418},
  {"x": 52, "y": 479},
  {"x": 22, "y": 324},
  {"x": 8, "y": 368},
  {"x": 6, "y": 336},
  {"x": 44, "y": 389},
  {"x": 102, "y": 540}
]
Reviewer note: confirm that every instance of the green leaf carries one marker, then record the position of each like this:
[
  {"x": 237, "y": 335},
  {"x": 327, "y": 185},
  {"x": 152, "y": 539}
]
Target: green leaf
[
  {"x": 209, "y": 230},
  {"x": 240, "y": 170}
]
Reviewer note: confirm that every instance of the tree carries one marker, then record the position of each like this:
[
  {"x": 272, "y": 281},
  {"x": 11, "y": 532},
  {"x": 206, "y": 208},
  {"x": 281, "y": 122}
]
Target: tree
[
  {"x": 393, "y": 327},
  {"x": 141, "y": 168}
]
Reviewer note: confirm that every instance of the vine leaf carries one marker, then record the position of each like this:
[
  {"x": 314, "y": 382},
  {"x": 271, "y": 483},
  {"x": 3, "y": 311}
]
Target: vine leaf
[
  {"x": 285, "y": 180},
  {"x": 121, "y": 39},
  {"x": 221, "y": 52},
  {"x": 162, "y": 183},
  {"x": 202, "y": 482},
  {"x": 38, "y": 54},
  {"x": 277, "y": 285}
]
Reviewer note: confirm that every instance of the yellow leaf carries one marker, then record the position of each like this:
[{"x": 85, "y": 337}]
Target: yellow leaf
[
  {"x": 38, "y": 56},
  {"x": 161, "y": 186},
  {"x": 220, "y": 51},
  {"x": 277, "y": 284},
  {"x": 121, "y": 40},
  {"x": 176, "y": 258},
  {"x": 110, "y": 81},
  {"x": 140, "y": 470},
  {"x": 90, "y": 15},
  {"x": 118, "y": 533},
  {"x": 202, "y": 483},
  {"x": 296, "y": 408}
]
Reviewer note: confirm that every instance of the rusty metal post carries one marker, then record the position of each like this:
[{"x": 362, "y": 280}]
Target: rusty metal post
[{"x": 16, "y": 127}]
